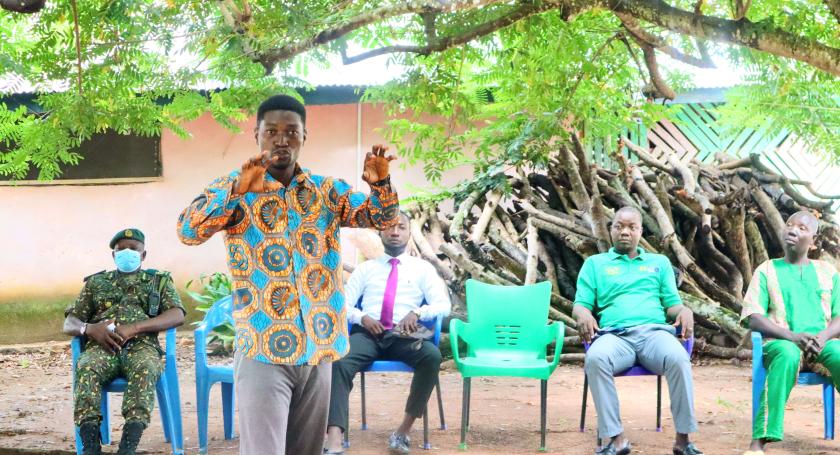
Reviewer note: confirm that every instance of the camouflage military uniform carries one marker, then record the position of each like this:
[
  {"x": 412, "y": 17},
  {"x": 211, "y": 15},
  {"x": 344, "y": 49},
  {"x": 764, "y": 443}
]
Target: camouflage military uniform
[{"x": 125, "y": 299}]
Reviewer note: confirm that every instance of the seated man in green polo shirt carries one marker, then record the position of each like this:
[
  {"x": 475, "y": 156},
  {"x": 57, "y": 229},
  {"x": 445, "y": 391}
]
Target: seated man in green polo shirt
[
  {"x": 795, "y": 303},
  {"x": 624, "y": 300}
]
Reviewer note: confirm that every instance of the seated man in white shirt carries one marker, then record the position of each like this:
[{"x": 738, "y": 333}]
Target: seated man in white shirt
[{"x": 397, "y": 292}]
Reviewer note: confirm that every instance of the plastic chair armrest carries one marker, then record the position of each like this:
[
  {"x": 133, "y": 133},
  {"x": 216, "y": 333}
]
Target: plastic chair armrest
[
  {"x": 170, "y": 343},
  {"x": 438, "y": 321},
  {"x": 76, "y": 345},
  {"x": 200, "y": 336},
  {"x": 458, "y": 329},
  {"x": 555, "y": 332}
]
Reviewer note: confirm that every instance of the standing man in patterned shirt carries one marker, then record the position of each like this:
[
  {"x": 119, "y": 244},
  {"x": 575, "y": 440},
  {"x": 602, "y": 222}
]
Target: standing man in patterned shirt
[
  {"x": 120, "y": 313},
  {"x": 281, "y": 227}
]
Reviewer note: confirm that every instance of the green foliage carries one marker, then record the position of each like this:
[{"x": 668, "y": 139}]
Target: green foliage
[
  {"x": 211, "y": 289},
  {"x": 507, "y": 96}
]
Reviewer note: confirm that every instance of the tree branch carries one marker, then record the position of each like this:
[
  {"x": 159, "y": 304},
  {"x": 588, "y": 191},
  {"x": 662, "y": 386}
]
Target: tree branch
[
  {"x": 632, "y": 25},
  {"x": 441, "y": 44},
  {"x": 756, "y": 35},
  {"x": 78, "y": 46},
  {"x": 270, "y": 58},
  {"x": 662, "y": 88}
]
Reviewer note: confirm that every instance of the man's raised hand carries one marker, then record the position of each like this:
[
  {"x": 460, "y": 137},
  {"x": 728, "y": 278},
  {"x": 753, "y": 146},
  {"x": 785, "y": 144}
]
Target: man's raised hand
[
  {"x": 377, "y": 164},
  {"x": 252, "y": 175}
]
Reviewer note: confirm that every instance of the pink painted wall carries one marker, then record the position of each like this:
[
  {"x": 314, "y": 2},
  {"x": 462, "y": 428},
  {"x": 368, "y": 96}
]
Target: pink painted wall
[{"x": 55, "y": 235}]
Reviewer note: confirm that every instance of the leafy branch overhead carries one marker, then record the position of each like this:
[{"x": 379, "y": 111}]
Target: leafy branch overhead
[{"x": 108, "y": 64}]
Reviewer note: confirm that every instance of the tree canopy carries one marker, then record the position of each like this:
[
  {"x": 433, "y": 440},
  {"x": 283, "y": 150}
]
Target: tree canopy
[{"x": 502, "y": 78}]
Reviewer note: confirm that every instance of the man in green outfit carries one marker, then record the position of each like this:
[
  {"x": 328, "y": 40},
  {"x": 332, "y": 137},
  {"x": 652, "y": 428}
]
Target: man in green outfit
[
  {"x": 794, "y": 302},
  {"x": 120, "y": 313}
]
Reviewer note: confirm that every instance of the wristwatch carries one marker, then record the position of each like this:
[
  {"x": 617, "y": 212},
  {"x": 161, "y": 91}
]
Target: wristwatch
[{"x": 84, "y": 327}]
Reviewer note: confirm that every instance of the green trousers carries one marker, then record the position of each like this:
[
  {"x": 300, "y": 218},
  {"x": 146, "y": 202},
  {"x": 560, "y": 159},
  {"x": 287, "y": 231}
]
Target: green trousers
[
  {"x": 140, "y": 364},
  {"x": 781, "y": 359}
]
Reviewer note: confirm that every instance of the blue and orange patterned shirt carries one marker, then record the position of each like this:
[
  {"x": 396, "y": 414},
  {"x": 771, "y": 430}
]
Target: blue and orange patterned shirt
[{"x": 284, "y": 255}]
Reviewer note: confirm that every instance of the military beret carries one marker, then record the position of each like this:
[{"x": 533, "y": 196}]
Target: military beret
[{"x": 130, "y": 233}]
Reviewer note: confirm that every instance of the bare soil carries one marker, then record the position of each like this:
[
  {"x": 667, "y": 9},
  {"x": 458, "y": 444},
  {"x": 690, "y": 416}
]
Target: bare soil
[{"x": 36, "y": 411}]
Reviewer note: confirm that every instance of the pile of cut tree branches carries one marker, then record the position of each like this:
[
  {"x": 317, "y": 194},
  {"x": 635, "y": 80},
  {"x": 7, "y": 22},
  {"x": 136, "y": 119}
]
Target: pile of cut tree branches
[{"x": 716, "y": 222}]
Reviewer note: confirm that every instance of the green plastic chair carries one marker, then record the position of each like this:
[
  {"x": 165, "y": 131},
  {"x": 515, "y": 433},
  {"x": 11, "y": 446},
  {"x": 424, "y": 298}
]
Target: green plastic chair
[{"x": 507, "y": 336}]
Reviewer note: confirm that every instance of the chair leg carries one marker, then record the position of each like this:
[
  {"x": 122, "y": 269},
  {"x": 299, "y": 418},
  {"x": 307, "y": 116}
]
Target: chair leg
[
  {"x": 440, "y": 405},
  {"x": 227, "y": 408},
  {"x": 469, "y": 402},
  {"x": 163, "y": 407},
  {"x": 105, "y": 425},
  {"x": 659, "y": 404},
  {"x": 543, "y": 406},
  {"x": 202, "y": 406},
  {"x": 426, "y": 444},
  {"x": 828, "y": 410},
  {"x": 346, "y": 442},
  {"x": 78, "y": 440},
  {"x": 465, "y": 404},
  {"x": 364, "y": 413},
  {"x": 583, "y": 404}
]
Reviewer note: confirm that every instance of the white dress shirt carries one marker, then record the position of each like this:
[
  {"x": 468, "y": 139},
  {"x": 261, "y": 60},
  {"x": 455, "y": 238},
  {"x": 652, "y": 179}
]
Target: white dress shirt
[{"x": 417, "y": 281}]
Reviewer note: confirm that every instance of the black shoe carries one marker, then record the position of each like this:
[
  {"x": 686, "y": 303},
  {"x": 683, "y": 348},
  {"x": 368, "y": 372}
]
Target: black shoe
[
  {"x": 624, "y": 450},
  {"x": 608, "y": 449},
  {"x": 89, "y": 433},
  {"x": 132, "y": 431},
  {"x": 690, "y": 449}
]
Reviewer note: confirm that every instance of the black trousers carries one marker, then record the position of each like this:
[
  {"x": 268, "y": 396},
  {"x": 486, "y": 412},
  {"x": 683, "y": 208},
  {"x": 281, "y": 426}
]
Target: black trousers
[{"x": 364, "y": 349}]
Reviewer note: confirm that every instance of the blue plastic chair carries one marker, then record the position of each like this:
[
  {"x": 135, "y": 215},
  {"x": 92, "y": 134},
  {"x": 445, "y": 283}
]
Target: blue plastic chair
[
  {"x": 207, "y": 375},
  {"x": 804, "y": 378},
  {"x": 168, "y": 393},
  {"x": 384, "y": 366},
  {"x": 635, "y": 370}
]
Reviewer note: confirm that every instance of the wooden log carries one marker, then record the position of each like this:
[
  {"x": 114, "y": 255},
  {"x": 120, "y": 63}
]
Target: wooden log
[
  {"x": 661, "y": 190},
  {"x": 732, "y": 276},
  {"x": 457, "y": 254},
  {"x": 533, "y": 253},
  {"x": 599, "y": 216},
  {"x": 723, "y": 317},
  {"x": 670, "y": 238},
  {"x": 426, "y": 251},
  {"x": 509, "y": 246},
  {"x": 456, "y": 230},
  {"x": 565, "y": 283},
  {"x": 758, "y": 252},
  {"x": 578, "y": 192},
  {"x": 572, "y": 240},
  {"x": 733, "y": 220},
  {"x": 551, "y": 216},
  {"x": 772, "y": 217},
  {"x": 491, "y": 201}
]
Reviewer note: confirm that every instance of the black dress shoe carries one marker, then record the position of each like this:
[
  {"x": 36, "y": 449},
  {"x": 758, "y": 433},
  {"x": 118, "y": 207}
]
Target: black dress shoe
[{"x": 690, "y": 449}]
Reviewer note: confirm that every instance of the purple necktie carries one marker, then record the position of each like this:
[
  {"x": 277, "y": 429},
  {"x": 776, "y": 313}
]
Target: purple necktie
[{"x": 387, "y": 315}]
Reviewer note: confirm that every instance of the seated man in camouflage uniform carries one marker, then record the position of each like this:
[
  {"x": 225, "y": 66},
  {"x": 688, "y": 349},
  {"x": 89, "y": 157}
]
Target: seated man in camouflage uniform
[{"x": 121, "y": 312}]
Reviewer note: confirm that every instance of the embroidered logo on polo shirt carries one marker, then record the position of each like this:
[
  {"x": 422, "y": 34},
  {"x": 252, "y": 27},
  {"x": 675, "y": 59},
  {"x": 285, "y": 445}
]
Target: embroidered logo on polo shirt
[{"x": 612, "y": 270}]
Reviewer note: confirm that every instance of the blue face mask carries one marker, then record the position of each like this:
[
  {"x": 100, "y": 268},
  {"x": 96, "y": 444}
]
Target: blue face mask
[{"x": 127, "y": 260}]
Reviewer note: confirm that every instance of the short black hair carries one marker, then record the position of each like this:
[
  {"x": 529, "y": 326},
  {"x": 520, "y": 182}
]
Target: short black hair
[{"x": 281, "y": 103}]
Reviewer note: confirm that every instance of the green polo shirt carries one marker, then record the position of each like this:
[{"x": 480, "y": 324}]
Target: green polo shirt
[{"x": 624, "y": 292}]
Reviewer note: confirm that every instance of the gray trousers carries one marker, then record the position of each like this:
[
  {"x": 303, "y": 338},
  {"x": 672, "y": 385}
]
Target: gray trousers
[
  {"x": 656, "y": 348},
  {"x": 282, "y": 408}
]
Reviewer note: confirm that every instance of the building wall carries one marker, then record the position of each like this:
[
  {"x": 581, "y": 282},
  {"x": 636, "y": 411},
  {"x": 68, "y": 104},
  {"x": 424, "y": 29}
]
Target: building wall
[{"x": 56, "y": 235}]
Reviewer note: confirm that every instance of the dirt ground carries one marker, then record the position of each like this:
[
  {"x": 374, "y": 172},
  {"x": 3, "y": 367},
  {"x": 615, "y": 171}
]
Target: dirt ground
[{"x": 36, "y": 411}]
